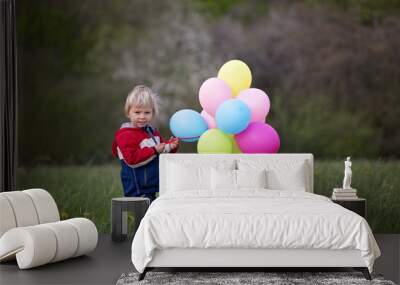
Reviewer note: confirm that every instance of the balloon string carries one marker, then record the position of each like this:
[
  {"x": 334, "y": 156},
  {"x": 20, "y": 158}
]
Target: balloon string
[{"x": 186, "y": 138}]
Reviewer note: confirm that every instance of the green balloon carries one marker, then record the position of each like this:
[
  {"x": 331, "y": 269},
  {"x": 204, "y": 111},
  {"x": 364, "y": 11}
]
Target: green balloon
[
  {"x": 235, "y": 147},
  {"x": 214, "y": 141}
]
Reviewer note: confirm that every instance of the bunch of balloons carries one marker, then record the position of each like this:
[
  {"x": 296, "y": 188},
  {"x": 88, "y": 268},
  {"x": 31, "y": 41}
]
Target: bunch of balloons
[{"x": 233, "y": 115}]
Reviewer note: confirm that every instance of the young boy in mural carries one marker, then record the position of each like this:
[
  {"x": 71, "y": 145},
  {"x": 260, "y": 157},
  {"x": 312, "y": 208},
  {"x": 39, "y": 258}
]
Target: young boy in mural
[{"x": 138, "y": 145}]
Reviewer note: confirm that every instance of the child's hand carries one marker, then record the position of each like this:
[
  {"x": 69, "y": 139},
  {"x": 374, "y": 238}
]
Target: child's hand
[
  {"x": 174, "y": 142},
  {"x": 160, "y": 147}
]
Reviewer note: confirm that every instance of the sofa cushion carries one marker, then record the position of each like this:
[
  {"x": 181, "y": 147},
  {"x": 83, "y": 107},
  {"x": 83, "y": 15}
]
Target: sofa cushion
[
  {"x": 46, "y": 207},
  {"x": 23, "y": 208},
  {"x": 26, "y": 208},
  {"x": 7, "y": 215}
]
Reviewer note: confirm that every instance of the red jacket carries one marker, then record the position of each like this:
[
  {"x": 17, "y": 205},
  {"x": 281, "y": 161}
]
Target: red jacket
[{"x": 136, "y": 146}]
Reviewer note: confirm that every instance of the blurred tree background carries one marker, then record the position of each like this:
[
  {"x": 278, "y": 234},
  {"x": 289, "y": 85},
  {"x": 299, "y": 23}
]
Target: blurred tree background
[{"x": 331, "y": 69}]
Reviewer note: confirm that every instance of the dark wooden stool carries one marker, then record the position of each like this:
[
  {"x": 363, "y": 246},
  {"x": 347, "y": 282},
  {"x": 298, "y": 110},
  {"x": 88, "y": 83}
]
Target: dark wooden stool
[{"x": 119, "y": 215}]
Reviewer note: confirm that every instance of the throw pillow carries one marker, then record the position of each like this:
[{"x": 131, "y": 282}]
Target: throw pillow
[
  {"x": 289, "y": 175},
  {"x": 251, "y": 178},
  {"x": 223, "y": 179},
  {"x": 291, "y": 178},
  {"x": 187, "y": 177}
]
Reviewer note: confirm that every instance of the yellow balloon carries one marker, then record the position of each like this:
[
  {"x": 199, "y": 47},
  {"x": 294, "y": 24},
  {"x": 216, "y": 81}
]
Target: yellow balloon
[
  {"x": 214, "y": 141},
  {"x": 235, "y": 147},
  {"x": 236, "y": 74}
]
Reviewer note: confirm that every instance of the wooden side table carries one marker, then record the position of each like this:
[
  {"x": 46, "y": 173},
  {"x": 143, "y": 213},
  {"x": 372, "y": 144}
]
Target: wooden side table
[
  {"x": 119, "y": 215},
  {"x": 358, "y": 205}
]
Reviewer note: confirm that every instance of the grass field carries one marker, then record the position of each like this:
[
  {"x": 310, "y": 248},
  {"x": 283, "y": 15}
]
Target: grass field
[{"x": 86, "y": 191}]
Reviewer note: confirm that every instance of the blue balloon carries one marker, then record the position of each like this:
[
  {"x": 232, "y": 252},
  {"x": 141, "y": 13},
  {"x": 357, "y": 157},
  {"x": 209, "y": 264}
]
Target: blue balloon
[
  {"x": 187, "y": 125},
  {"x": 233, "y": 116}
]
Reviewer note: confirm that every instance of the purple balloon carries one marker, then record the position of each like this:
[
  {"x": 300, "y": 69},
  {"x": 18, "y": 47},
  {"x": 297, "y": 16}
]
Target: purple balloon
[{"x": 258, "y": 137}]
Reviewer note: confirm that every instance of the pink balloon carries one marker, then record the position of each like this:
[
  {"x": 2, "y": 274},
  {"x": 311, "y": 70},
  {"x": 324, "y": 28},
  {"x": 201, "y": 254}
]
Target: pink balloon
[
  {"x": 258, "y": 138},
  {"x": 258, "y": 102},
  {"x": 209, "y": 119},
  {"x": 212, "y": 93}
]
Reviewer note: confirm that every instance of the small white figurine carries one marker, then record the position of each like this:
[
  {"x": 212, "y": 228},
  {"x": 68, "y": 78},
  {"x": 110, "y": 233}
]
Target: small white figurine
[{"x": 347, "y": 174}]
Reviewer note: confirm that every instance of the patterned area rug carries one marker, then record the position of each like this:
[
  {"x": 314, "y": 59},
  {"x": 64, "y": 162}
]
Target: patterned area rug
[{"x": 230, "y": 278}]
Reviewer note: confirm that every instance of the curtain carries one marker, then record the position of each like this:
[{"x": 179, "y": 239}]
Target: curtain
[{"x": 8, "y": 96}]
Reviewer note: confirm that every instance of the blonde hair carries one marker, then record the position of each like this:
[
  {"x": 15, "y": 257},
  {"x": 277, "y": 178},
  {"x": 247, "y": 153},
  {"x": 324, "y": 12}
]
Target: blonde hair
[{"x": 141, "y": 96}]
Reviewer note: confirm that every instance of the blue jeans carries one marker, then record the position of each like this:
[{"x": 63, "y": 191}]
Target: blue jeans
[{"x": 140, "y": 182}]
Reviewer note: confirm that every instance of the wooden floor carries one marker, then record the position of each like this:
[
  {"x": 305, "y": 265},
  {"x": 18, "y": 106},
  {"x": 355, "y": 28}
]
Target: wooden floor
[{"x": 111, "y": 259}]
